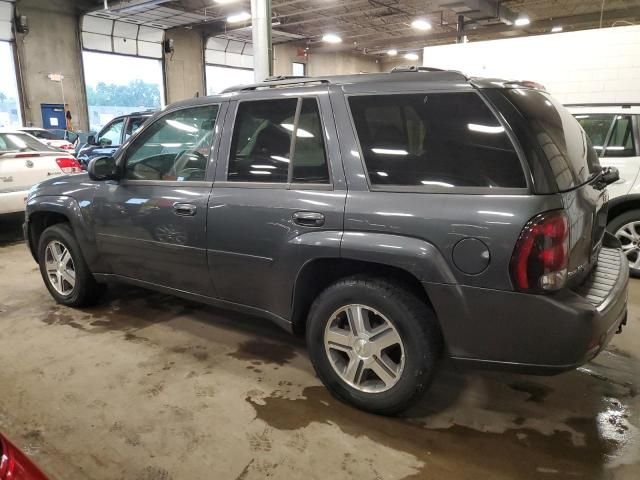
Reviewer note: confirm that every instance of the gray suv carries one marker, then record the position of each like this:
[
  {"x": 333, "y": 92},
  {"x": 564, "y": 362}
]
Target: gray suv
[{"x": 390, "y": 218}]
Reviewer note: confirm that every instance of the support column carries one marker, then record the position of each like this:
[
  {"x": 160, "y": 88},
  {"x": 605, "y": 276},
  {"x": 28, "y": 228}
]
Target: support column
[
  {"x": 261, "y": 34},
  {"x": 460, "y": 30}
]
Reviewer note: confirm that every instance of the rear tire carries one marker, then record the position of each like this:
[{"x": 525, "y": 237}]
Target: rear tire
[
  {"x": 64, "y": 270},
  {"x": 626, "y": 227},
  {"x": 354, "y": 363}
]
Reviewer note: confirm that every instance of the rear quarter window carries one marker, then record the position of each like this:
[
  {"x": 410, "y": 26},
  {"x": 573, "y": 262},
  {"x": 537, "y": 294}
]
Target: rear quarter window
[{"x": 435, "y": 140}]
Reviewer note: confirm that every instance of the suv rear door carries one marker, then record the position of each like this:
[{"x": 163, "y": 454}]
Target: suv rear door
[{"x": 275, "y": 202}]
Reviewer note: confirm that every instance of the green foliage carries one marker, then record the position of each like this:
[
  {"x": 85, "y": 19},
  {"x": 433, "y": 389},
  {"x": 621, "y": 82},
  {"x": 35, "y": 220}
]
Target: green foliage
[
  {"x": 3, "y": 97},
  {"x": 137, "y": 93}
]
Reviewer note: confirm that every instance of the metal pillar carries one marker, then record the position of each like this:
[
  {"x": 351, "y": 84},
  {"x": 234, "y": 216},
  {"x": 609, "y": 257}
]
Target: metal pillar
[
  {"x": 460, "y": 31},
  {"x": 261, "y": 35}
]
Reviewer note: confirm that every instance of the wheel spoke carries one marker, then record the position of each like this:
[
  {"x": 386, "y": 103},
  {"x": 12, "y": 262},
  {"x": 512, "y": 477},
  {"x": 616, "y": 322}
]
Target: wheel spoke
[
  {"x": 386, "y": 339},
  {"x": 353, "y": 372},
  {"x": 69, "y": 276},
  {"x": 65, "y": 257},
  {"x": 356, "y": 314},
  {"x": 635, "y": 263},
  {"x": 623, "y": 232},
  {"x": 340, "y": 339},
  {"x": 382, "y": 371}
]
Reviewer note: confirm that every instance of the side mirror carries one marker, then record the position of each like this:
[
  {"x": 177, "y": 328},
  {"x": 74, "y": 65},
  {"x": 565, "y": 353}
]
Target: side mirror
[
  {"x": 91, "y": 140},
  {"x": 103, "y": 168},
  {"x": 610, "y": 175}
]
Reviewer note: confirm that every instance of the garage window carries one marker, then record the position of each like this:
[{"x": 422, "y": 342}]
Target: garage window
[
  {"x": 440, "y": 140},
  {"x": 9, "y": 103}
]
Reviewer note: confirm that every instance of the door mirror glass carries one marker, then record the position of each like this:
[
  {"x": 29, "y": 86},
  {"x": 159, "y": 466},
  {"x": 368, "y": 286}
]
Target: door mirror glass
[
  {"x": 103, "y": 168},
  {"x": 91, "y": 140}
]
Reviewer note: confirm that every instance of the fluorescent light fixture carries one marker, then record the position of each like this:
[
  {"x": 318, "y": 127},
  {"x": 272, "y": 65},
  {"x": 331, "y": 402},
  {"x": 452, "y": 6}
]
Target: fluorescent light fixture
[
  {"x": 182, "y": 126},
  {"x": 582, "y": 116},
  {"x": 302, "y": 133},
  {"x": 411, "y": 56},
  {"x": 522, "y": 21},
  {"x": 383, "y": 174},
  {"x": 279, "y": 158},
  {"x": 259, "y": 172},
  {"x": 266, "y": 167},
  {"x": 392, "y": 53},
  {"x": 389, "y": 151},
  {"x": 331, "y": 38},
  {"x": 474, "y": 127},
  {"x": 421, "y": 24},
  {"x": 557, "y": 29},
  {"x": 239, "y": 17},
  {"x": 437, "y": 184}
]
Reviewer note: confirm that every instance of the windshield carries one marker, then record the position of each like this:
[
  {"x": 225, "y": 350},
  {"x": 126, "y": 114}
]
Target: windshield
[
  {"x": 42, "y": 134},
  {"x": 559, "y": 138},
  {"x": 21, "y": 142}
]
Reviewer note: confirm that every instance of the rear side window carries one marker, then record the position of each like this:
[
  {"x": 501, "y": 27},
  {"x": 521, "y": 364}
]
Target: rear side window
[
  {"x": 264, "y": 144},
  {"x": 621, "y": 142},
  {"x": 558, "y": 137},
  {"x": 439, "y": 140},
  {"x": 597, "y": 128}
]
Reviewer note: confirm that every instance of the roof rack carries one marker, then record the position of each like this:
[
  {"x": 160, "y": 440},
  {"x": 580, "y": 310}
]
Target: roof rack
[{"x": 275, "y": 82}]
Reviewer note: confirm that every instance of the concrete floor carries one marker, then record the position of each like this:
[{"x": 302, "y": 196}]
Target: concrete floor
[{"x": 150, "y": 387}]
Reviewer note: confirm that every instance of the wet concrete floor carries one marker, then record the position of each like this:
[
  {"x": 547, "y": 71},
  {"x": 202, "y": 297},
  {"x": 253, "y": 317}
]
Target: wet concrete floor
[{"x": 151, "y": 387}]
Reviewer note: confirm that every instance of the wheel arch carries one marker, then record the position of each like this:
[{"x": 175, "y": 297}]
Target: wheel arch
[{"x": 623, "y": 204}]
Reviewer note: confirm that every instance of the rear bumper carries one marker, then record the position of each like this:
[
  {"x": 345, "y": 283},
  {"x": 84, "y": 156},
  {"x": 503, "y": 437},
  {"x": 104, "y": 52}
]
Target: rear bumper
[{"x": 539, "y": 334}]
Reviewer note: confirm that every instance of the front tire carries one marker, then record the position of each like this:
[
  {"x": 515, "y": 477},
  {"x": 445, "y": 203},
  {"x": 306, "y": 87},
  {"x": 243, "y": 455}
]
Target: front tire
[
  {"x": 64, "y": 271},
  {"x": 373, "y": 343},
  {"x": 626, "y": 227}
]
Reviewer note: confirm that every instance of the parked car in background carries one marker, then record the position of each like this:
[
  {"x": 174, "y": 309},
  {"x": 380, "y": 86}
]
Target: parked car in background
[
  {"x": 67, "y": 135},
  {"x": 25, "y": 161},
  {"x": 49, "y": 138},
  {"x": 112, "y": 135},
  {"x": 390, "y": 218},
  {"x": 614, "y": 131},
  {"x": 15, "y": 465}
]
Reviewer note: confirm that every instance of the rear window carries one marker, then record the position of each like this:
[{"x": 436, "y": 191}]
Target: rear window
[
  {"x": 437, "y": 140},
  {"x": 561, "y": 141},
  {"x": 19, "y": 142},
  {"x": 42, "y": 134}
]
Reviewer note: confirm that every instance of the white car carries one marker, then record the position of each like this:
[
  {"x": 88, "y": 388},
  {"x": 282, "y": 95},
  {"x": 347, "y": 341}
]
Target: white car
[
  {"x": 25, "y": 161},
  {"x": 48, "y": 138},
  {"x": 614, "y": 131}
]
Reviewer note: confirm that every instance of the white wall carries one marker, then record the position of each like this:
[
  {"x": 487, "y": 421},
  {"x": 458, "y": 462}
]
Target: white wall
[{"x": 576, "y": 67}]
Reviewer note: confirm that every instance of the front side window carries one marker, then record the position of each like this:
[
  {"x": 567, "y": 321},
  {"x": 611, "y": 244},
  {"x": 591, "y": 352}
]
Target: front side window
[
  {"x": 263, "y": 140},
  {"x": 175, "y": 148},
  {"x": 439, "y": 140},
  {"x": 112, "y": 134},
  {"x": 621, "y": 143}
]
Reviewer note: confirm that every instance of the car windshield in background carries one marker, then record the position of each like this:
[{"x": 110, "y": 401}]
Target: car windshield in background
[
  {"x": 42, "y": 134},
  {"x": 558, "y": 135},
  {"x": 21, "y": 142}
]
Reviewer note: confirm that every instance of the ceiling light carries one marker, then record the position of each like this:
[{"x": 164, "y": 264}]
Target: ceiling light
[
  {"x": 522, "y": 21},
  {"x": 331, "y": 38},
  {"x": 411, "y": 56},
  {"x": 557, "y": 29},
  {"x": 224, "y": 2},
  {"x": 392, "y": 53},
  {"x": 239, "y": 17},
  {"x": 421, "y": 24}
]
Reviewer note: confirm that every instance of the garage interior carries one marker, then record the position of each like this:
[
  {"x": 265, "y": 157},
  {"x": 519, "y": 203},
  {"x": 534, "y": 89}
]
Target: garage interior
[{"x": 148, "y": 386}]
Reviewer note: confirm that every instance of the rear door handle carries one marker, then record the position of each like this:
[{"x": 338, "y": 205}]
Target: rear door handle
[
  {"x": 308, "y": 219},
  {"x": 185, "y": 209}
]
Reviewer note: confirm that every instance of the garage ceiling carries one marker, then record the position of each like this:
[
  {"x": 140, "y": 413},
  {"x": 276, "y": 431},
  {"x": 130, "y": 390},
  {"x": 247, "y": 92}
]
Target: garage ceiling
[{"x": 373, "y": 26}]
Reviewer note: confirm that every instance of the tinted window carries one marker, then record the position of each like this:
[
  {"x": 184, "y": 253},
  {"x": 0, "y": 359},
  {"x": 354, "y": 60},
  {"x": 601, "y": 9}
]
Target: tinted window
[
  {"x": 112, "y": 134},
  {"x": 557, "y": 136},
  {"x": 262, "y": 143},
  {"x": 621, "y": 142},
  {"x": 439, "y": 140},
  {"x": 133, "y": 125},
  {"x": 175, "y": 148}
]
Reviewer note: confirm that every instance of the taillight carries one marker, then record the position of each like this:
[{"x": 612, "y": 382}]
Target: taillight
[
  {"x": 69, "y": 165},
  {"x": 541, "y": 256},
  {"x": 14, "y": 465}
]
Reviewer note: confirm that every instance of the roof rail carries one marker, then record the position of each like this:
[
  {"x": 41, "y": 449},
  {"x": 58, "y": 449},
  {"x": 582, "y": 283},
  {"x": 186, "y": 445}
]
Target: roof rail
[
  {"x": 415, "y": 68},
  {"x": 275, "y": 82}
]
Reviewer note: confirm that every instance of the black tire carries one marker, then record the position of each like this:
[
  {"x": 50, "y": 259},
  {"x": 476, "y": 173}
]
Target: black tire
[
  {"x": 617, "y": 223},
  {"x": 86, "y": 291},
  {"x": 415, "y": 323}
]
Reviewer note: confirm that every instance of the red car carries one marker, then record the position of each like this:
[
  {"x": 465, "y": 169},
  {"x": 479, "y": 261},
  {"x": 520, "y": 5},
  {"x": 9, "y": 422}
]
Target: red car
[{"x": 15, "y": 465}]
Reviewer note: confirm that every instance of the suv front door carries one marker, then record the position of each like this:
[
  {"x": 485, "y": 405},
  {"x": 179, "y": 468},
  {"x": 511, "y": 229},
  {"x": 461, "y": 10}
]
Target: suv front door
[
  {"x": 275, "y": 199},
  {"x": 109, "y": 139},
  {"x": 150, "y": 226}
]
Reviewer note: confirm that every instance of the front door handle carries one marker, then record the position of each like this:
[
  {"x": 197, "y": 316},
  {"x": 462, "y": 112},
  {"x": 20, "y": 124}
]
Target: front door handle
[
  {"x": 185, "y": 209},
  {"x": 308, "y": 219}
]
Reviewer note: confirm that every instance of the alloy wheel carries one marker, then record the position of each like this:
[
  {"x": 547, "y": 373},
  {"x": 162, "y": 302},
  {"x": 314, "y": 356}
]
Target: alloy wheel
[
  {"x": 364, "y": 348},
  {"x": 629, "y": 237},
  {"x": 60, "y": 268}
]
